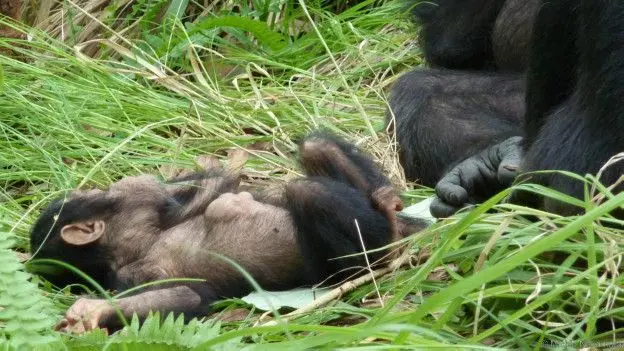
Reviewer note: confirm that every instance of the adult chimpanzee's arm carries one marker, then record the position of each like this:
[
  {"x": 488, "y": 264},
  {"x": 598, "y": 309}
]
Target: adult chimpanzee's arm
[
  {"x": 87, "y": 314},
  {"x": 477, "y": 177},
  {"x": 582, "y": 133},
  {"x": 442, "y": 117},
  {"x": 553, "y": 59}
]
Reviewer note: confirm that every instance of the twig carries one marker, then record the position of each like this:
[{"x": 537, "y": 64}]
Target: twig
[
  {"x": 368, "y": 265},
  {"x": 345, "y": 288}
]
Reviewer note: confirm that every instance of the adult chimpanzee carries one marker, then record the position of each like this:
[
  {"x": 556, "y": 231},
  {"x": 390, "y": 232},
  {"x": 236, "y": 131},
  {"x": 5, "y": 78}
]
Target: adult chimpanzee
[
  {"x": 434, "y": 106},
  {"x": 142, "y": 230},
  {"x": 573, "y": 117},
  {"x": 476, "y": 34}
]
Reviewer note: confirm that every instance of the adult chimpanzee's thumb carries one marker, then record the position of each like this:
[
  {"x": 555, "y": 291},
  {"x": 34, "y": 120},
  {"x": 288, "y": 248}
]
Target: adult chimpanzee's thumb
[{"x": 510, "y": 153}]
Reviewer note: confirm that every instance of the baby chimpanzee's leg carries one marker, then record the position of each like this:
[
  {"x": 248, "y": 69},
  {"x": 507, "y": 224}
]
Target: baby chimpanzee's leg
[{"x": 324, "y": 212}]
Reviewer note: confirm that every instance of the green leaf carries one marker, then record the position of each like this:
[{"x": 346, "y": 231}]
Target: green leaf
[
  {"x": 1, "y": 79},
  {"x": 177, "y": 8}
]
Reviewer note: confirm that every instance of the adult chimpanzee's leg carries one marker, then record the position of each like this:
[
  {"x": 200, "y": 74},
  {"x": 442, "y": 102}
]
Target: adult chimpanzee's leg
[
  {"x": 511, "y": 36},
  {"x": 582, "y": 133},
  {"x": 442, "y": 117},
  {"x": 476, "y": 34}
]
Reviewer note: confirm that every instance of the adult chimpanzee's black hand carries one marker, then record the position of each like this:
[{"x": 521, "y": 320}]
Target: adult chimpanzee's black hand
[{"x": 477, "y": 177}]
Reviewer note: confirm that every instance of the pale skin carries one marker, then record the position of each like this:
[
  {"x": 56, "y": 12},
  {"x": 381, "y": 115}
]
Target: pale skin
[{"x": 87, "y": 314}]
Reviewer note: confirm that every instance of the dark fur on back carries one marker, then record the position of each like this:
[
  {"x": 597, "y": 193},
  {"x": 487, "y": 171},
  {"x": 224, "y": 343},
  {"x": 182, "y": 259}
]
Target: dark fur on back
[{"x": 475, "y": 34}]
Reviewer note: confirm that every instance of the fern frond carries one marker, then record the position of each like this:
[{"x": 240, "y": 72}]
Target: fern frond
[
  {"x": 26, "y": 316},
  {"x": 265, "y": 35},
  {"x": 154, "y": 334}
]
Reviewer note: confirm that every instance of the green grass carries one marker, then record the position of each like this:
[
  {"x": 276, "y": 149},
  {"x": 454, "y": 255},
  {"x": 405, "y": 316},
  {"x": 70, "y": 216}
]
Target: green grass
[{"x": 490, "y": 279}]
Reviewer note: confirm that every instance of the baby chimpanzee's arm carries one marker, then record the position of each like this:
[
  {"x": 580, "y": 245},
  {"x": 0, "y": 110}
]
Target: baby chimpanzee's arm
[{"x": 87, "y": 314}]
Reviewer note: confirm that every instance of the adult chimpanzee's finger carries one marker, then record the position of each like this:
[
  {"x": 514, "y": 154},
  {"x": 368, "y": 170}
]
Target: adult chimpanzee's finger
[
  {"x": 450, "y": 188},
  {"x": 456, "y": 187},
  {"x": 440, "y": 209}
]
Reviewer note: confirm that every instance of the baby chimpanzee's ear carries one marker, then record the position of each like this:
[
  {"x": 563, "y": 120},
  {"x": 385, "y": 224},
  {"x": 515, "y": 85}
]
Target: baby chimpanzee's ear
[{"x": 83, "y": 233}]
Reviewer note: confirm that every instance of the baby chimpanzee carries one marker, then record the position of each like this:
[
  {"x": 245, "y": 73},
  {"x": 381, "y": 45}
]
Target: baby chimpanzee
[{"x": 142, "y": 230}]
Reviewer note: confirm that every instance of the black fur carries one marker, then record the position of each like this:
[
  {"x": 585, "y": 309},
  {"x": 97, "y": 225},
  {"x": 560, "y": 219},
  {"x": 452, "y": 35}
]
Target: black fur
[
  {"x": 582, "y": 132},
  {"x": 553, "y": 63},
  {"x": 45, "y": 239},
  {"x": 443, "y": 117},
  {"x": 325, "y": 205},
  {"x": 475, "y": 34},
  {"x": 457, "y": 33},
  {"x": 324, "y": 211},
  {"x": 573, "y": 118}
]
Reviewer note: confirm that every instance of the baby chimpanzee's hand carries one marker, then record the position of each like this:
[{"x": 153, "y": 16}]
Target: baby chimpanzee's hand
[
  {"x": 477, "y": 177},
  {"x": 84, "y": 315}
]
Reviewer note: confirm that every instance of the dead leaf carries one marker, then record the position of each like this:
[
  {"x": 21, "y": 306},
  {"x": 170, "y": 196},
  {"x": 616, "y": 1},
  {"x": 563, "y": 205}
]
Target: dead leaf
[
  {"x": 440, "y": 274},
  {"x": 235, "y": 315},
  {"x": 206, "y": 162},
  {"x": 237, "y": 158}
]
